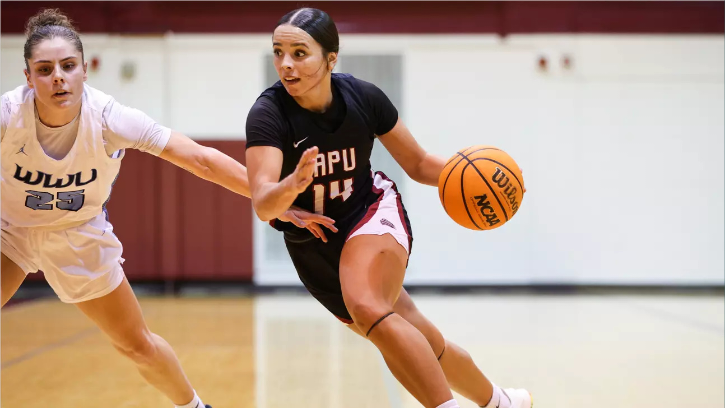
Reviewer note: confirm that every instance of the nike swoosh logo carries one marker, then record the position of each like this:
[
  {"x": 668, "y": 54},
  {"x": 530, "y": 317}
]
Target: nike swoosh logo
[
  {"x": 298, "y": 143},
  {"x": 507, "y": 396}
]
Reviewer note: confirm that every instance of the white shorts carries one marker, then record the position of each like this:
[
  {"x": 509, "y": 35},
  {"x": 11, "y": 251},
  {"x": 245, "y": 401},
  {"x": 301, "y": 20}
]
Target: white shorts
[
  {"x": 387, "y": 215},
  {"x": 80, "y": 263}
]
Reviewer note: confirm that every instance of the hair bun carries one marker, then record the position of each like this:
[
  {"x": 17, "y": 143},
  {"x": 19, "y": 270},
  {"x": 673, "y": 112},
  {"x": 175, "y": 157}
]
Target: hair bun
[{"x": 48, "y": 17}]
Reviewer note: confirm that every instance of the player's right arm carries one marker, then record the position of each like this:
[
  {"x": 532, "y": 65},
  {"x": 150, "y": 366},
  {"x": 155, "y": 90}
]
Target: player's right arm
[
  {"x": 271, "y": 197},
  {"x": 265, "y": 130}
]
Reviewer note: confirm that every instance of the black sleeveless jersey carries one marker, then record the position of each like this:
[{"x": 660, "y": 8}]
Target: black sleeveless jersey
[{"x": 344, "y": 134}]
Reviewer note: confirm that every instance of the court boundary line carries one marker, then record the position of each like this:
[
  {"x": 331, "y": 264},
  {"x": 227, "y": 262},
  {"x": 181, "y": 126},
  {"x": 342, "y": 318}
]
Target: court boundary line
[{"x": 49, "y": 347}]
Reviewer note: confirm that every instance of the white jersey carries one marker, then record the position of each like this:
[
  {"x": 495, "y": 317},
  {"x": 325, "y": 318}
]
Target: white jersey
[{"x": 40, "y": 191}]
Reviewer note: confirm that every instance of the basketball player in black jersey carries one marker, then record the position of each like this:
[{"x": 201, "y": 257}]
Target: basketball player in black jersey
[{"x": 309, "y": 140}]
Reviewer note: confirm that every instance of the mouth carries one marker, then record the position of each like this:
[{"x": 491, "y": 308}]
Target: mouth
[
  {"x": 61, "y": 93},
  {"x": 291, "y": 80}
]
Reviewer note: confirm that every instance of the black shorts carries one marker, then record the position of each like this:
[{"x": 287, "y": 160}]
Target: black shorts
[{"x": 318, "y": 263}]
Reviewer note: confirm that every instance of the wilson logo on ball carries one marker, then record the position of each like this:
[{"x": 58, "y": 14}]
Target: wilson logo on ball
[
  {"x": 509, "y": 191},
  {"x": 484, "y": 206},
  {"x": 481, "y": 187}
]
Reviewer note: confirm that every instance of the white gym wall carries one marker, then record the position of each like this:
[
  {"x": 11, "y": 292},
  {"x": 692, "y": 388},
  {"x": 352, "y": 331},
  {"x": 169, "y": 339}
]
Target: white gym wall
[{"x": 622, "y": 152}]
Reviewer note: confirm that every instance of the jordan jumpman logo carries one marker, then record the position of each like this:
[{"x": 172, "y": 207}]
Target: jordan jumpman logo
[{"x": 22, "y": 150}]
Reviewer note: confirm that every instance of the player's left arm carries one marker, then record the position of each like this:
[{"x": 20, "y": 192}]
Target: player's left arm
[
  {"x": 215, "y": 166},
  {"x": 420, "y": 165},
  {"x": 207, "y": 163}
]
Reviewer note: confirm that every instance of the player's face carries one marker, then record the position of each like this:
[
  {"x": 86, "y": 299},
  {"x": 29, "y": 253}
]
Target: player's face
[
  {"x": 299, "y": 60},
  {"x": 56, "y": 72}
]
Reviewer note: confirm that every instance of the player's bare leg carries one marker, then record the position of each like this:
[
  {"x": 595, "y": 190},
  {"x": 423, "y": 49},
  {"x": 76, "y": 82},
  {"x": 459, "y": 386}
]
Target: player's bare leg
[
  {"x": 458, "y": 366},
  {"x": 372, "y": 268},
  {"x": 11, "y": 277},
  {"x": 119, "y": 315}
]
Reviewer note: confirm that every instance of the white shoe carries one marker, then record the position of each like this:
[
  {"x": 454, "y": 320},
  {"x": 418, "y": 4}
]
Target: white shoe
[{"x": 519, "y": 397}]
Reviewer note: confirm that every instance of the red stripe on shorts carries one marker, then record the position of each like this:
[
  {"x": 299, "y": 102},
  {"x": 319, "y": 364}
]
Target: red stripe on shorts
[
  {"x": 342, "y": 319},
  {"x": 399, "y": 203},
  {"x": 368, "y": 215},
  {"x": 371, "y": 211}
]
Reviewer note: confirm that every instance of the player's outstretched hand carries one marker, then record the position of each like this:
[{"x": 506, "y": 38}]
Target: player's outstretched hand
[
  {"x": 311, "y": 221},
  {"x": 302, "y": 176}
]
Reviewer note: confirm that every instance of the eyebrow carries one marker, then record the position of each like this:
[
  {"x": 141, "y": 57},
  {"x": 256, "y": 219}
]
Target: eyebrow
[
  {"x": 45, "y": 61},
  {"x": 297, "y": 44}
]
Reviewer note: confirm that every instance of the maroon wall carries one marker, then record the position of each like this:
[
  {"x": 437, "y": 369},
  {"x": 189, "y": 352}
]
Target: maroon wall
[
  {"x": 394, "y": 17},
  {"x": 174, "y": 225}
]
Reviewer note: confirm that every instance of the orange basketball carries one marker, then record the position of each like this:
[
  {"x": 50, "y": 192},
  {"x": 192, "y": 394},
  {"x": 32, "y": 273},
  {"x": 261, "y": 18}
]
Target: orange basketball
[{"x": 481, "y": 187}]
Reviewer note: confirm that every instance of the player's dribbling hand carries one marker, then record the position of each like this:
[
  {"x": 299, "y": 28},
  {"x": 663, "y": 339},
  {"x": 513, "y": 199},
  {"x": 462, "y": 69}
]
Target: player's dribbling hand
[
  {"x": 313, "y": 222},
  {"x": 302, "y": 176}
]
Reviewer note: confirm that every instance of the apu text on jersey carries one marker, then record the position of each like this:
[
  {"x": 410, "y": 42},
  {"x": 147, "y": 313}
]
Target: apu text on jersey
[{"x": 326, "y": 161}]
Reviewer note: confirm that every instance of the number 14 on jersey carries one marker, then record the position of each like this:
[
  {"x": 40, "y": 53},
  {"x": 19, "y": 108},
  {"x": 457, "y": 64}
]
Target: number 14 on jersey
[{"x": 334, "y": 193}]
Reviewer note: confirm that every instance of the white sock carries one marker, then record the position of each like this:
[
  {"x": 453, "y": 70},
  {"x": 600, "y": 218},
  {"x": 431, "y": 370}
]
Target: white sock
[
  {"x": 195, "y": 403},
  {"x": 450, "y": 404},
  {"x": 498, "y": 399}
]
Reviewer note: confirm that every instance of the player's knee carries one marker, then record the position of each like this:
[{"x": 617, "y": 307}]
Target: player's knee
[
  {"x": 140, "y": 348},
  {"x": 406, "y": 308},
  {"x": 367, "y": 313},
  {"x": 435, "y": 339},
  {"x": 461, "y": 353}
]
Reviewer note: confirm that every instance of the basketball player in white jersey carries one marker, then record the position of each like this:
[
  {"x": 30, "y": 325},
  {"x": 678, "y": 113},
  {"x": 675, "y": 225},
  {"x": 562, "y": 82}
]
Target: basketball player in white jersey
[{"x": 62, "y": 145}]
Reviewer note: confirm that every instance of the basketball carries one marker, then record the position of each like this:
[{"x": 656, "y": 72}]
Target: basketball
[{"x": 481, "y": 187}]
